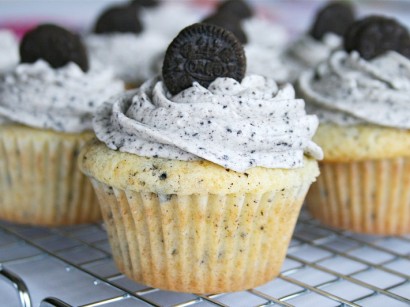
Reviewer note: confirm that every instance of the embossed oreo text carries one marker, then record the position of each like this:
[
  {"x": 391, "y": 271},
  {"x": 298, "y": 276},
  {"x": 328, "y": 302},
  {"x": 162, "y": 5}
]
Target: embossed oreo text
[{"x": 207, "y": 60}]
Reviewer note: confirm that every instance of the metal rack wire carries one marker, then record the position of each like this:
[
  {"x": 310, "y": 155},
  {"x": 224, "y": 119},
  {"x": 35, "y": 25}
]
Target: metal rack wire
[{"x": 72, "y": 266}]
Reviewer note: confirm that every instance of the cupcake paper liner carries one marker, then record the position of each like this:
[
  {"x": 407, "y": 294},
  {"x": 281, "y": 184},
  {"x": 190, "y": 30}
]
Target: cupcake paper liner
[
  {"x": 200, "y": 243},
  {"x": 40, "y": 183},
  {"x": 370, "y": 197}
]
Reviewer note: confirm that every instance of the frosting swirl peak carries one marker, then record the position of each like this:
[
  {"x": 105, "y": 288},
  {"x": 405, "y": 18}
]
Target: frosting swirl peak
[{"x": 236, "y": 125}]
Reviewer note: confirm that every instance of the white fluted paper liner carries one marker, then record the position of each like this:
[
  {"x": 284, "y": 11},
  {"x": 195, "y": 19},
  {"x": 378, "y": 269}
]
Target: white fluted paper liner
[
  {"x": 40, "y": 183},
  {"x": 366, "y": 196},
  {"x": 200, "y": 243}
]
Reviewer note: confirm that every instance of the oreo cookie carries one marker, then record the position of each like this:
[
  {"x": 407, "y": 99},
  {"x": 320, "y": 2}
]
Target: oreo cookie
[
  {"x": 349, "y": 37},
  {"x": 201, "y": 53},
  {"x": 238, "y": 8},
  {"x": 145, "y": 3},
  {"x": 118, "y": 19},
  {"x": 228, "y": 22},
  {"x": 55, "y": 45},
  {"x": 336, "y": 17},
  {"x": 376, "y": 35}
]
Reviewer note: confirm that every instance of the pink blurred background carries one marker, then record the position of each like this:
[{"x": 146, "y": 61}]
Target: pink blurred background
[{"x": 294, "y": 15}]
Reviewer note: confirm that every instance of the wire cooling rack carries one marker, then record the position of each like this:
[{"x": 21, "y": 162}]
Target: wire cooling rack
[{"x": 72, "y": 266}]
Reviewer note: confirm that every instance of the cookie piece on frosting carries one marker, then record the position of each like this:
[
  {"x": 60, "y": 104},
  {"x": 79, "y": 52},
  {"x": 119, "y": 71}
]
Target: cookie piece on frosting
[
  {"x": 55, "y": 45},
  {"x": 335, "y": 18},
  {"x": 201, "y": 53},
  {"x": 374, "y": 35},
  {"x": 118, "y": 19}
]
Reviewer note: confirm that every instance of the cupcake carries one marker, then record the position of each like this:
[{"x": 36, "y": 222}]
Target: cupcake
[
  {"x": 307, "y": 51},
  {"x": 46, "y": 106},
  {"x": 131, "y": 39},
  {"x": 361, "y": 96},
  {"x": 201, "y": 173},
  {"x": 9, "y": 51}
]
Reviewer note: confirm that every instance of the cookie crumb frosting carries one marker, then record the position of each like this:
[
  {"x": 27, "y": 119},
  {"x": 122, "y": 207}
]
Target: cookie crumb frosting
[
  {"x": 238, "y": 125},
  {"x": 61, "y": 99},
  {"x": 349, "y": 90}
]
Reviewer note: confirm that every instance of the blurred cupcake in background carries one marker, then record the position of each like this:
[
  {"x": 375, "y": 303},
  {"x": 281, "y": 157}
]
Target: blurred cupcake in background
[
  {"x": 325, "y": 35},
  {"x": 46, "y": 107},
  {"x": 250, "y": 28},
  {"x": 9, "y": 47},
  {"x": 165, "y": 17},
  {"x": 362, "y": 97},
  {"x": 311, "y": 48},
  {"x": 132, "y": 38},
  {"x": 263, "y": 40}
]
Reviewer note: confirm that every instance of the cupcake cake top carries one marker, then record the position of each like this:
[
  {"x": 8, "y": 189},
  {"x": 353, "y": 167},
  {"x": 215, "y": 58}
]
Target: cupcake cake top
[
  {"x": 368, "y": 82},
  {"x": 52, "y": 87},
  {"x": 211, "y": 111},
  {"x": 9, "y": 51}
]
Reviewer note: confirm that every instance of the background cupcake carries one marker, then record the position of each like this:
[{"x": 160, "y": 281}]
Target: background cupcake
[
  {"x": 46, "y": 106},
  {"x": 201, "y": 174},
  {"x": 309, "y": 49},
  {"x": 131, "y": 38},
  {"x": 362, "y": 97},
  {"x": 263, "y": 40},
  {"x": 164, "y": 17}
]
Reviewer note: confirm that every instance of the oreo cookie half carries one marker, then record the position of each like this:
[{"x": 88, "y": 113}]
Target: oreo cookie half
[
  {"x": 376, "y": 35},
  {"x": 121, "y": 19},
  {"x": 349, "y": 37},
  {"x": 201, "y": 53},
  {"x": 228, "y": 22},
  {"x": 145, "y": 3},
  {"x": 336, "y": 17},
  {"x": 238, "y": 8},
  {"x": 55, "y": 45}
]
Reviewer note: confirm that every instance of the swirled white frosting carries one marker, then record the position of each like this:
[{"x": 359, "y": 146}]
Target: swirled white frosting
[
  {"x": 348, "y": 90},
  {"x": 286, "y": 64},
  {"x": 62, "y": 99},
  {"x": 9, "y": 47},
  {"x": 236, "y": 125},
  {"x": 132, "y": 57}
]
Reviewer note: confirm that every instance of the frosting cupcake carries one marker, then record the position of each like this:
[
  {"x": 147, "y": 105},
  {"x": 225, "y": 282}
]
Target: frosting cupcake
[
  {"x": 46, "y": 106},
  {"x": 9, "y": 51},
  {"x": 307, "y": 51},
  {"x": 361, "y": 96},
  {"x": 201, "y": 173}
]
